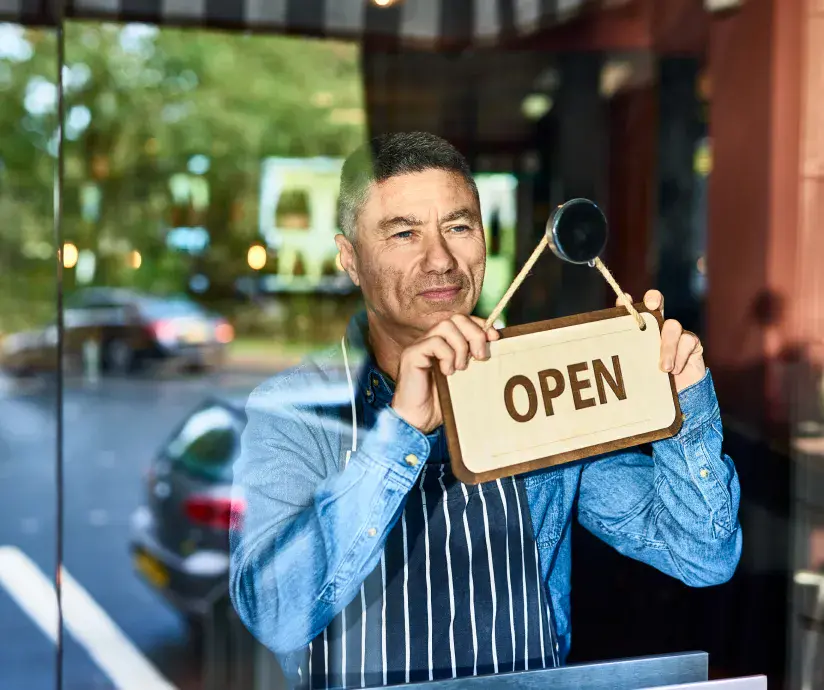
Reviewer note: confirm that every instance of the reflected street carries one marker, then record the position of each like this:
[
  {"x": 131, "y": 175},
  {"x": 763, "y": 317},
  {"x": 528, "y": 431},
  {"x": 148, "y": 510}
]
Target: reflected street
[{"x": 113, "y": 429}]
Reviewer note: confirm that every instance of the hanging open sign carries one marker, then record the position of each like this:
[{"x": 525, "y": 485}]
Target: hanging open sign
[{"x": 557, "y": 391}]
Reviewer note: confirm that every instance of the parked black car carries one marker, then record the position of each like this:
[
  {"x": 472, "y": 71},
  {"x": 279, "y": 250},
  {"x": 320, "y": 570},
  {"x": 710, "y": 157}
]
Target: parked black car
[
  {"x": 179, "y": 539},
  {"x": 180, "y": 535},
  {"x": 180, "y": 543},
  {"x": 123, "y": 330}
]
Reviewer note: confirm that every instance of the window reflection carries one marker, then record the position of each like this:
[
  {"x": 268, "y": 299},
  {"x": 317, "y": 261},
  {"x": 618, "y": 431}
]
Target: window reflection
[
  {"x": 293, "y": 210},
  {"x": 193, "y": 276},
  {"x": 200, "y": 209},
  {"x": 28, "y": 355},
  {"x": 208, "y": 442}
]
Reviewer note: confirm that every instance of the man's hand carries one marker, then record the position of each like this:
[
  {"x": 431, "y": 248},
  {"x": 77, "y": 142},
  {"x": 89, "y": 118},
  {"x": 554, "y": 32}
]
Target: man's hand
[
  {"x": 447, "y": 346},
  {"x": 681, "y": 352}
]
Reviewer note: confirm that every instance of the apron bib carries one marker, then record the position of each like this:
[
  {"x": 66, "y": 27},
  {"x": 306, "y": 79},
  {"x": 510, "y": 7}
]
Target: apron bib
[{"x": 457, "y": 592}]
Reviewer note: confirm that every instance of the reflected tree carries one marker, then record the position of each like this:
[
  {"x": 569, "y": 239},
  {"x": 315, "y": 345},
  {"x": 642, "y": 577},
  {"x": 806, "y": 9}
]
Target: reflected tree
[{"x": 145, "y": 107}]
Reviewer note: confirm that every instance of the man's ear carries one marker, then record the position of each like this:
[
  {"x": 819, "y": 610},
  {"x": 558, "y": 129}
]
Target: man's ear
[{"x": 347, "y": 258}]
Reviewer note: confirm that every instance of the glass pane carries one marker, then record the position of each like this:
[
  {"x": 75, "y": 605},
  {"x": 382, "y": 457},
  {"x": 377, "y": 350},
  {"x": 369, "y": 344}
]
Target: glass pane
[
  {"x": 201, "y": 195},
  {"x": 242, "y": 506},
  {"x": 28, "y": 356}
]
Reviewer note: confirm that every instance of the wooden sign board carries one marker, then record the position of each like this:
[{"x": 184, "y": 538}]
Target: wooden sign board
[{"x": 557, "y": 391}]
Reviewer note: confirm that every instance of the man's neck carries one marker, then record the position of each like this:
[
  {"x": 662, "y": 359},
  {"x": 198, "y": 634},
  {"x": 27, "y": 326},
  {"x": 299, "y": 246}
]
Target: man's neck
[{"x": 388, "y": 341}]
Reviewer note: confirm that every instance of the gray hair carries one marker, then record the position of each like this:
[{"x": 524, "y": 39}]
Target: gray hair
[{"x": 388, "y": 156}]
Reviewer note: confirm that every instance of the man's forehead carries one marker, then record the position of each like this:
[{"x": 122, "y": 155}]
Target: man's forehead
[{"x": 432, "y": 189}]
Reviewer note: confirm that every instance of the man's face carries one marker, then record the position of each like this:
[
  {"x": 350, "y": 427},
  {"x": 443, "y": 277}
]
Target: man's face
[{"x": 420, "y": 253}]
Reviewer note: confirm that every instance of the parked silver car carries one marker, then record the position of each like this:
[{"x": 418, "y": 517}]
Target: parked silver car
[{"x": 127, "y": 330}]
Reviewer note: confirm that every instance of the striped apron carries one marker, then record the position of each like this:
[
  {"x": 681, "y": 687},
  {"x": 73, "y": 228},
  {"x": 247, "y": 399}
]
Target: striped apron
[{"x": 458, "y": 592}]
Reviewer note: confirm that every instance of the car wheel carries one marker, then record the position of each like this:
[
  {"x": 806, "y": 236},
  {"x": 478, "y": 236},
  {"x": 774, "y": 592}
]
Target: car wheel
[
  {"x": 18, "y": 372},
  {"x": 197, "y": 368},
  {"x": 119, "y": 357}
]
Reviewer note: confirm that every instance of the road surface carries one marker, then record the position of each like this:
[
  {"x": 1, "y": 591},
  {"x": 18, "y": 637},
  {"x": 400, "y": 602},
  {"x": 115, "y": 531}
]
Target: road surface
[{"x": 112, "y": 429}]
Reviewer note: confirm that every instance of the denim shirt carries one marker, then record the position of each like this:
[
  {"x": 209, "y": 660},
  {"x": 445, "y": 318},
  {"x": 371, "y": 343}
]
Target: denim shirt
[{"x": 326, "y": 464}]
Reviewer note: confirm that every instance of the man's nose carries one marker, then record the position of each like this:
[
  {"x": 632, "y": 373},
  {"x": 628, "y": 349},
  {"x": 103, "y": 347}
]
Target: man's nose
[{"x": 437, "y": 257}]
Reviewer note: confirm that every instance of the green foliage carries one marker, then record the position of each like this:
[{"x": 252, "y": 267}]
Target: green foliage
[{"x": 140, "y": 104}]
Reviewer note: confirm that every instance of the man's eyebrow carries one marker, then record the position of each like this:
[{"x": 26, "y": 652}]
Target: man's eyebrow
[
  {"x": 399, "y": 222},
  {"x": 461, "y": 214}
]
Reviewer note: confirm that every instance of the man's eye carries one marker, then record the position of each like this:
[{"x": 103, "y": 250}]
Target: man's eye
[
  {"x": 461, "y": 228},
  {"x": 402, "y": 235}
]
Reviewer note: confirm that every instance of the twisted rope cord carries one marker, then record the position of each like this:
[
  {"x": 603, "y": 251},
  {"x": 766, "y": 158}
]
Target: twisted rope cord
[
  {"x": 530, "y": 262},
  {"x": 620, "y": 293}
]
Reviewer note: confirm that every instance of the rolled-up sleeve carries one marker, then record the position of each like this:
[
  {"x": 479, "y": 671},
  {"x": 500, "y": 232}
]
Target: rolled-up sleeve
[
  {"x": 312, "y": 531},
  {"x": 676, "y": 510}
]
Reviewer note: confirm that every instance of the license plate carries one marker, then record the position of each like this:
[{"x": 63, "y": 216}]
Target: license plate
[
  {"x": 152, "y": 569},
  {"x": 194, "y": 335}
]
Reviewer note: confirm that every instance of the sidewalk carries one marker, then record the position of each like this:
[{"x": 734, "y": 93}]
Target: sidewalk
[
  {"x": 261, "y": 356},
  {"x": 249, "y": 363}
]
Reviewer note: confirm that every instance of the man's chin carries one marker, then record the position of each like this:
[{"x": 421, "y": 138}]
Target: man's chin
[{"x": 434, "y": 314}]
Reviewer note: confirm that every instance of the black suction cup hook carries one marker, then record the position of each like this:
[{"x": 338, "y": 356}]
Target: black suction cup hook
[{"x": 577, "y": 231}]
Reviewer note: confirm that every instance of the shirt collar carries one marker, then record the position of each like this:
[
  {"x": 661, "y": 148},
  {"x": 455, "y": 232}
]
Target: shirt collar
[{"x": 375, "y": 385}]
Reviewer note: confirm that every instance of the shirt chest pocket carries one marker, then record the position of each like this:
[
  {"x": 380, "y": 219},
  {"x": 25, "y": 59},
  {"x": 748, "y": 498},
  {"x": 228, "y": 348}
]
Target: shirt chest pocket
[{"x": 548, "y": 504}]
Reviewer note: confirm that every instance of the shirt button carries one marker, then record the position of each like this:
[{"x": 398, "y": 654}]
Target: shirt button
[
  {"x": 411, "y": 460},
  {"x": 372, "y": 532},
  {"x": 704, "y": 472},
  {"x": 375, "y": 382}
]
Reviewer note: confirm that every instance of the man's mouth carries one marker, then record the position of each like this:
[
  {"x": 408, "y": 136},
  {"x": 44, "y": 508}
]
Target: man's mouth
[{"x": 442, "y": 294}]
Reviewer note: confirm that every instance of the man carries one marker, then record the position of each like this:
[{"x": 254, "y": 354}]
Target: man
[{"x": 360, "y": 559}]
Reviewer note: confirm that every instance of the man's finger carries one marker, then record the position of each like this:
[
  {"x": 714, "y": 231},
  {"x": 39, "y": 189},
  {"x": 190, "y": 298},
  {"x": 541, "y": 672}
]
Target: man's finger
[
  {"x": 452, "y": 334},
  {"x": 653, "y": 300},
  {"x": 670, "y": 335},
  {"x": 620, "y": 303},
  {"x": 491, "y": 333},
  {"x": 473, "y": 334},
  {"x": 421, "y": 354},
  {"x": 687, "y": 344}
]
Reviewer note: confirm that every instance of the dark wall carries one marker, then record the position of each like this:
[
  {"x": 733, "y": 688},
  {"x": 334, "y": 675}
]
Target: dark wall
[{"x": 622, "y": 608}]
